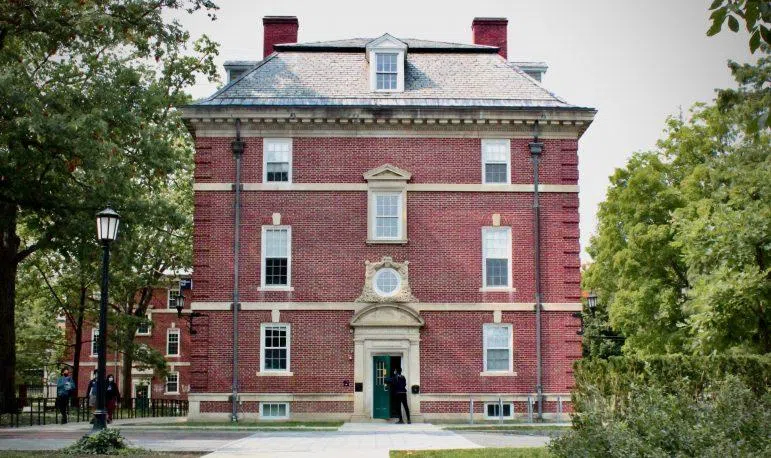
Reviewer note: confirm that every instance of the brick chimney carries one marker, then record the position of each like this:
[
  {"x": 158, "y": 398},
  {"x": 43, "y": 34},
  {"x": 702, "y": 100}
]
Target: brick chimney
[
  {"x": 278, "y": 30},
  {"x": 490, "y": 31}
]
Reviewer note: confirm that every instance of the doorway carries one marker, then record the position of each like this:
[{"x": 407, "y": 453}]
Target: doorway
[{"x": 384, "y": 404}]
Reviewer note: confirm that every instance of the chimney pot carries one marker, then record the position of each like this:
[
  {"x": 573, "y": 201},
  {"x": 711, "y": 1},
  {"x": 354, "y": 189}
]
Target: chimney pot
[
  {"x": 278, "y": 30},
  {"x": 491, "y": 31}
]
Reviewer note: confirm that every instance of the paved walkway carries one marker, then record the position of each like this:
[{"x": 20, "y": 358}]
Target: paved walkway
[
  {"x": 364, "y": 440},
  {"x": 352, "y": 439}
]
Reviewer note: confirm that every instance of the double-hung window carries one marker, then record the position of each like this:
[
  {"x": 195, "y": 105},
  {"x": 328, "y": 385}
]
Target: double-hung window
[
  {"x": 496, "y": 257},
  {"x": 277, "y": 160},
  {"x": 275, "y": 340},
  {"x": 387, "y": 71},
  {"x": 143, "y": 327},
  {"x": 388, "y": 214},
  {"x": 274, "y": 410},
  {"x": 173, "y": 296},
  {"x": 496, "y": 161},
  {"x": 497, "y": 348},
  {"x": 94, "y": 341},
  {"x": 276, "y": 256},
  {"x": 172, "y": 342},
  {"x": 172, "y": 383}
]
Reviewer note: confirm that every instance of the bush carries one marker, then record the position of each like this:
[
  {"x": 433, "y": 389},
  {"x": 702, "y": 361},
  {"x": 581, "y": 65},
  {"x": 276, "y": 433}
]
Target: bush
[
  {"x": 670, "y": 406},
  {"x": 105, "y": 442}
]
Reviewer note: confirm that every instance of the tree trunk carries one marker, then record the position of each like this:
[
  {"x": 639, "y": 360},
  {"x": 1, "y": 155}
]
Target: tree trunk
[
  {"x": 128, "y": 361},
  {"x": 79, "y": 335},
  {"x": 9, "y": 263}
]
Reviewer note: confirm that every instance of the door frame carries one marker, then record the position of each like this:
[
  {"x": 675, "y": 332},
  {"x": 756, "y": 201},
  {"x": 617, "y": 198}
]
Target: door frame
[{"x": 390, "y": 370}]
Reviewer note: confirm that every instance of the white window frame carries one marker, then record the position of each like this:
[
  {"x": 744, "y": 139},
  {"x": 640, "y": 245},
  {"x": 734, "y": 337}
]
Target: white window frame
[
  {"x": 272, "y": 417},
  {"x": 508, "y": 286},
  {"x": 169, "y": 332},
  {"x": 177, "y": 292},
  {"x": 401, "y": 215},
  {"x": 166, "y": 383},
  {"x": 265, "y": 143},
  {"x": 288, "y": 328},
  {"x": 149, "y": 320},
  {"x": 509, "y": 416},
  {"x": 263, "y": 285},
  {"x": 497, "y": 142},
  {"x": 94, "y": 343},
  {"x": 510, "y": 329}
]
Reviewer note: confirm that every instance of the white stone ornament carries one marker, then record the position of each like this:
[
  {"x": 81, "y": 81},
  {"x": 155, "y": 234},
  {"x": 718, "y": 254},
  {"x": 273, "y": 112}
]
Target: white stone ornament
[{"x": 395, "y": 291}]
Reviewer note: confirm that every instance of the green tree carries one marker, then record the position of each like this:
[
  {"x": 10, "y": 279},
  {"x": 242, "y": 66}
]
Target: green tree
[
  {"x": 681, "y": 254},
  {"x": 88, "y": 88},
  {"x": 756, "y": 15}
]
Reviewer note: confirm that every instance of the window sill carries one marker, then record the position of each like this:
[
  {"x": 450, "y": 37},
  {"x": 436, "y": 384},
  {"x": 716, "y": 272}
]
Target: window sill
[
  {"x": 497, "y": 374},
  {"x": 275, "y": 374},
  {"x": 494, "y": 289},
  {"x": 496, "y": 184},
  {"x": 143, "y": 335},
  {"x": 387, "y": 241},
  {"x": 171, "y": 393},
  {"x": 173, "y": 356},
  {"x": 275, "y": 288}
]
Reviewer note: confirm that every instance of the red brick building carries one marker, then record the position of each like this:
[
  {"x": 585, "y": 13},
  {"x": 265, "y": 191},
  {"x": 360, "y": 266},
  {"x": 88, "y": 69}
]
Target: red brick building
[
  {"x": 163, "y": 331},
  {"x": 372, "y": 203}
]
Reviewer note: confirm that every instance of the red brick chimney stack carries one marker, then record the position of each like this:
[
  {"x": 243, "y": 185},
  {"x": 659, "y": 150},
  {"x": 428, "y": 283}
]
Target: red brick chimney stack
[
  {"x": 490, "y": 31},
  {"x": 278, "y": 30}
]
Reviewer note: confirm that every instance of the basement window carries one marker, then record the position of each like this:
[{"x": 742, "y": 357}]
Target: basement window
[
  {"x": 274, "y": 410},
  {"x": 493, "y": 410}
]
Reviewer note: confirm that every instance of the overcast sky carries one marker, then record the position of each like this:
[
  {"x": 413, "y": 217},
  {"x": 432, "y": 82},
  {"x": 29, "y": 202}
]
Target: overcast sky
[{"x": 635, "y": 61}]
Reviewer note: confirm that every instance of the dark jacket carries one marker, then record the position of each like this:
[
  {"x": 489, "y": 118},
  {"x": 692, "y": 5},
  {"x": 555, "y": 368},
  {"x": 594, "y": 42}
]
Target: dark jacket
[
  {"x": 91, "y": 389},
  {"x": 399, "y": 384},
  {"x": 112, "y": 391},
  {"x": 64, "y": 386}
]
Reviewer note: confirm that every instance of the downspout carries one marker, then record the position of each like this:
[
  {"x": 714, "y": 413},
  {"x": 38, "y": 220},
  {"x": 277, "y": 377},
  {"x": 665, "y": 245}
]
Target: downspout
[
  {"x": 238, "y": 151},
  {"x": 536, "y": 148}
]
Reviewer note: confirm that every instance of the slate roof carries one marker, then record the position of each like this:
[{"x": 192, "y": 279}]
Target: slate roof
[{"x": 442, "y": 77}]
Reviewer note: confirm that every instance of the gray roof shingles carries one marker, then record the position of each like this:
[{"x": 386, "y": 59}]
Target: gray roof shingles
[{"x": 434, "y": 79}]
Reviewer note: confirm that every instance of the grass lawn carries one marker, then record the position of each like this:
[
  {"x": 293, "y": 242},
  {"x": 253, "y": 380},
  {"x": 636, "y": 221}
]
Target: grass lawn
[
  {"x": 528, "y": 452},
  {"x": 516, "y": 428}
]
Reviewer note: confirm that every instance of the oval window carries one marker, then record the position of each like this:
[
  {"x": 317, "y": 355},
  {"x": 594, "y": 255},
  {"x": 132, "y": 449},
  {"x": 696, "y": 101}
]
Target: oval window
[{"x": 387, "y": 282}]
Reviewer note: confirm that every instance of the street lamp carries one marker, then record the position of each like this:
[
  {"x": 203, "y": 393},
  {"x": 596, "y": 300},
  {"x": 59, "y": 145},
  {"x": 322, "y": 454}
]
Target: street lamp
[
  {"x": 180, "y": 305},
  {"x": 107, "y": 222},
  {"x": 591, "y": 301}
]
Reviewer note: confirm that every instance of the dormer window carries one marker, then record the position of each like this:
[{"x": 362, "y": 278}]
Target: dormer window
[
  {"x": 386, "y": 56},
  {"x": 387, "y": 70}
]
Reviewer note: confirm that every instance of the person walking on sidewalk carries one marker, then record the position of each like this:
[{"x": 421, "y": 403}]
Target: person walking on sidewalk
[
  {"x": 64, "y": 386},
  {"x": 400, "y": 391},
  {"x": 91, "y": 393},
  {"x": 112, "y": 395}
]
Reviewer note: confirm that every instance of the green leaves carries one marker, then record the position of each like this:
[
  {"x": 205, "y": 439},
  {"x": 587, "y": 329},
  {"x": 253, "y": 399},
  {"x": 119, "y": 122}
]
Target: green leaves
[
  {"x": 755, "y": 13},
  {"x": 681, "y": 257}
]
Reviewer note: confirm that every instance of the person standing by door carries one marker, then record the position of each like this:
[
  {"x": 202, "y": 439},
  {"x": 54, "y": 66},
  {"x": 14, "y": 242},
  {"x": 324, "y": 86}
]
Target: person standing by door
[
  {"x": 400, "y": 391},
  {"x": 64, "y": 387}
]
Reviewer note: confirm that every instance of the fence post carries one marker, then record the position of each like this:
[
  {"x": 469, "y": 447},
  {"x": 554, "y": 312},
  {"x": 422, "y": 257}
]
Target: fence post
[
  {"x": 559, "y": 408},
  {"x": 471, "y": 410},
  {"x": 529, "y": 409},
  {"x": 500, "y": 410}
]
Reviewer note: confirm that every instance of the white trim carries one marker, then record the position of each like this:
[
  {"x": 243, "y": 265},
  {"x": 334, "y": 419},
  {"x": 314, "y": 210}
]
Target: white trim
[
  {"x": 498, "y": 373},
  {"x": 510, "y": 369},
  {"x": 288, "y": 286},
  {"x": 418, "y": 306},
  {"x": 381, "y": 272},
  {"x": 265, "y": 142},
  {"x": 495, "y": 417},
  {"x": 166, "y": 383},
  {"x": 177, "y": 290},
  {"x": 287, "y": 370},
  {"x": 149, "y": 319},
  {"x": 401, "y": 236},
  {"x": 495, "y": 142},
  {"x": 169, "y": 332},
  {"x": 94, "y": 337},
  {"x": 139, "y": 379},
  {"x": 411, "y": 187},
  {"x": 508, "y": 286},
  {"x": 274, "y": 417}
]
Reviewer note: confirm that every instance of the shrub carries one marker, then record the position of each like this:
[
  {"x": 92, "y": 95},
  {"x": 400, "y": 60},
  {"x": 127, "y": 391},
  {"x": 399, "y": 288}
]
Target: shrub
[
  {"x": 105, "y": 442},
  {"x": 725, "y": 419}
]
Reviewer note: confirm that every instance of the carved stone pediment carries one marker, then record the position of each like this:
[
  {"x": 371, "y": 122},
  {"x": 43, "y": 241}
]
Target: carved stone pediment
[
  {"x": 387, "y": 172},
  {"x": 387, "y": 315},
  {"x": 370, "y": 294}
]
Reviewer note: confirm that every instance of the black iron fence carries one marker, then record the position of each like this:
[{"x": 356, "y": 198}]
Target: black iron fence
[{"x": 44, "y": 411}]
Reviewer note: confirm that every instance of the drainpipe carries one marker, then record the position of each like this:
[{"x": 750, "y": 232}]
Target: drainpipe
[
  {"x": 238, "y": 151},
  {"x": 536, "y": 148}
]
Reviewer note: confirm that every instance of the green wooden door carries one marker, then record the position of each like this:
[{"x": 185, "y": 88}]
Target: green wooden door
[{"x": 381, "y": 395}]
